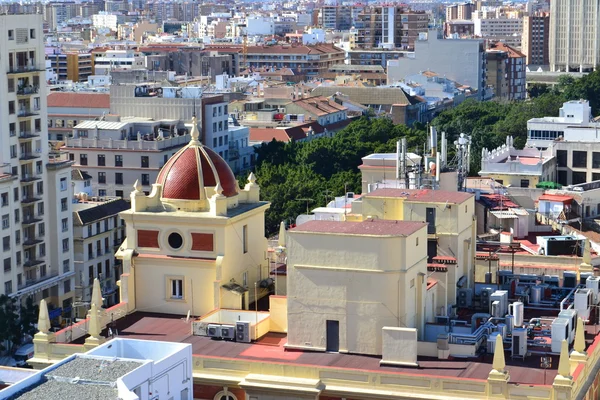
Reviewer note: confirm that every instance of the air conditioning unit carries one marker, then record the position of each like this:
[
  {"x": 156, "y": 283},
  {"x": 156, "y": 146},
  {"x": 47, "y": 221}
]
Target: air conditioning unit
[
  {"x": 519, "y": 342},
  {"x": 486, "y": 294},
  {"x": 213, "y": 331},
  {"x": 228, "y": 332},
  {"x": 465, "y": 298},
  {"x": 242, "y": 331}
]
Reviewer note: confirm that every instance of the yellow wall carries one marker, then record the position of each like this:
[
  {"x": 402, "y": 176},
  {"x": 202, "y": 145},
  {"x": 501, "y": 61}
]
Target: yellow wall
[
  {"x": 363, "y": 282},
  {"x": 204, "y": 271},
  {"x": 515, "y": 180}
]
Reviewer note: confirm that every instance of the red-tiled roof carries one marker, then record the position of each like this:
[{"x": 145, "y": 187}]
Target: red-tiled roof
[
  {"x": 268, "y": 134},
  {"x": 424, "y": 195},
  {"x": 377, "y": 227},
  {"x": 79, "y": 100},
  {"x": 556, "y": 197}
]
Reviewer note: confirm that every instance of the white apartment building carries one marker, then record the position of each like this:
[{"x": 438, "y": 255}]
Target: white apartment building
[
  {"x": 507, "y": 30},
  {"x": 574, "y": 29},
  {"x": 257, "y": 25},
  {"x": 577, "y": 153},
  {"x": 118, "y": 369},
  {"x": 97, "y": 232},
  {"x": 116, "y": 152},
  {"x": 34, "y": 194},
  {"x": 105, "y": 20},
  {"x": 117, "y": 59},
  {"x": 574, "y": 123}
]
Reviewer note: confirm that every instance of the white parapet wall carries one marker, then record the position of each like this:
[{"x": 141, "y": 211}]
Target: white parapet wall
[{"x": 399, "y": 346}]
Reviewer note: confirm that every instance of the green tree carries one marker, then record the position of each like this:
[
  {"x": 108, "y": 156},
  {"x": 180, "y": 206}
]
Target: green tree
[
  {"x": 537, "y": 89},
  {"x": 10, "y": 328}
]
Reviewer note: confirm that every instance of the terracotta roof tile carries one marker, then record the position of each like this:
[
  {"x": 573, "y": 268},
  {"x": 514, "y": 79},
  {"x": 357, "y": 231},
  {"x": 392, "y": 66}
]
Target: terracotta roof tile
[
  {"x": 268, "y": 134},
  {"x": 79, "y": 100},
  {"x": 376, "y": 227}
]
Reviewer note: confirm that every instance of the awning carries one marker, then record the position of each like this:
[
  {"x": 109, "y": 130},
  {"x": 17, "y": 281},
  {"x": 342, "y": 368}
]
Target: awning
[
  {"x": 504, "y": 214},
  {"x": 234, "y": 287},
  {"x": 47, "y": 284}
]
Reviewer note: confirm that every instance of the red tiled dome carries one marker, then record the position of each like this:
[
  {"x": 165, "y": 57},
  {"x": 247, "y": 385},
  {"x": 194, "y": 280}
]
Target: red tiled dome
[{"x": 193, "y": 168}]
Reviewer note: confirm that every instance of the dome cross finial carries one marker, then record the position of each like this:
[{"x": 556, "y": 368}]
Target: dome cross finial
[{"x": 194, "y": 133}]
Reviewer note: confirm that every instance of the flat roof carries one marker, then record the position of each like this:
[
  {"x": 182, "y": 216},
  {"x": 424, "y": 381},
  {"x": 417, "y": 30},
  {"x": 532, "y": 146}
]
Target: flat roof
[
  {"x": 376, "y": 227},
  {"x": 270, "y": 348},
  {"x": 81, "y": 378},
  {"x": 424, "y": 195}
]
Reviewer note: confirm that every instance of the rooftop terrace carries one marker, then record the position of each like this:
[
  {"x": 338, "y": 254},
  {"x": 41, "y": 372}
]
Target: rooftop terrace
[{"x": 270, "y": 349}]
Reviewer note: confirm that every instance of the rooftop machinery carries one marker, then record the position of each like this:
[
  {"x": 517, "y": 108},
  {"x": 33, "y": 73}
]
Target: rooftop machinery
[{"x": 503, "y": 309}]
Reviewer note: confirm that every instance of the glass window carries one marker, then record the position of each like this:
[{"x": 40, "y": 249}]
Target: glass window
[
  {"x": 561, "y": 158},
  {"x": 579, "y": 159}
]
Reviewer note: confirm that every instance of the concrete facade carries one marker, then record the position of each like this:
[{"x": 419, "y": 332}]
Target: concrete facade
[
  {"x": 574, "y": 35},
  {"x": 469, "y": 69}
]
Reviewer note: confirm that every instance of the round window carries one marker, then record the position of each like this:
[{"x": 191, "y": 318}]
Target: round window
[{"x": 175, "y": 240}]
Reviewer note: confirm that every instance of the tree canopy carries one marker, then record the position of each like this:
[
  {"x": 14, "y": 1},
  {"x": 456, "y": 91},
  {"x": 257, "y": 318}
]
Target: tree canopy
[{"x": 294, "y": 175}]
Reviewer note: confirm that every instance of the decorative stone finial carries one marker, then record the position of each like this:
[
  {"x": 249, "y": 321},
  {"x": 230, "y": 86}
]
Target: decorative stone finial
[
  {"x": 587, "y": 255},
  {"x": 252, "y": 178},
  {"x": 281, "y": 239},
  {"x": 137, "y": 186},
  {"x": 499, "y": 363},
  {"x": 97, "y": 293},
  {"x": 94, "y": 324},
  {"x": 219, "y": 189},
  {"x": 564, "y": 367},
  {"x": 194, "y": 133},
  {"x": 43, "y": 318},
  {"x": 579, "y": 345}
]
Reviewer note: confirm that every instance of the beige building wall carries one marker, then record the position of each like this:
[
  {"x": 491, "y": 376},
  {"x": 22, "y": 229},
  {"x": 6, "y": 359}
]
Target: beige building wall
[
  {"x": 454, "y": 228},
  {"x": 203, "y": 272},
  {"x": 364, "y": 282}
]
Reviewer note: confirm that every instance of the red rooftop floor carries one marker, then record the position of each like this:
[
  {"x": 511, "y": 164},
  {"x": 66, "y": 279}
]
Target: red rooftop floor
[{"x": 150, "y": 326}]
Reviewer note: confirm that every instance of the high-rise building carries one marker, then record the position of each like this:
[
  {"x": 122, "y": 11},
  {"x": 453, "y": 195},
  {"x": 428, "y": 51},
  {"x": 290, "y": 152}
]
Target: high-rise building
[
  {"x": 514, "y": 71},
  {"x": 34, "y": 191},
  {"x": 335, "y": 17},
  {"x": 574, "y": 29},
  {"x": 461, "y": 11},
  {"x": 389, "y": 27},
  {"x": 536, "y": 35}
]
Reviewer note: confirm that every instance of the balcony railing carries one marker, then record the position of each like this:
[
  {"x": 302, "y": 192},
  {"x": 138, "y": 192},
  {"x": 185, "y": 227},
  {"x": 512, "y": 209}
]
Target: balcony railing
[
  {"x": 27, "y": 112},
  {"x": 30, "y": 177},
  {"x": 32, "y": 240},
  {"x": 28, "y": 134},
  {"x": 30, "y": 282},
  {"x": 32, "y": 262},
  {"x": 29, "y": 198},
  {"x": 30, "y": 67},
  {"x": 28, "y": 156},
  {"x": 27, "y": 90},
  {"x": 29, "y": 220}
]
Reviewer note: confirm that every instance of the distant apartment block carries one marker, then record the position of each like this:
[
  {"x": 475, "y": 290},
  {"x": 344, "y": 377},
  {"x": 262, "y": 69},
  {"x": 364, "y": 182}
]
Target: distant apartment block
[
  {"x": 511, "y": 74},
  {"x": 389, "y": 27},
  {"x": 336, "y": 17},
  {"x": 73, "y": 66},
  {"x": 116, "y": 152},
  {"x": 574, "y": 44},
  {"x": 505, "y": 29},
  {"x": 66, "y": 109},
  {"x": 97, "y": 233},
  {"x": 434, "y": 52},
  {"x": 536, "y": 37},
  {"x": 461, "y": 11}
]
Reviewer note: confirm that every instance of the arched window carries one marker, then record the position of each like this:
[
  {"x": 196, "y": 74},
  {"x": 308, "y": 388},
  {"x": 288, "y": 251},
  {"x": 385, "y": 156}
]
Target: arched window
[{"x": 221, "y": 396}]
